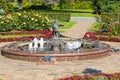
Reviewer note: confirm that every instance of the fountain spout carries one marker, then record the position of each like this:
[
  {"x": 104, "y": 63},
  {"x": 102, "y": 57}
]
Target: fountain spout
[
  {"x": 35, "y": 41},
  {"x": 41, "y": 42}
]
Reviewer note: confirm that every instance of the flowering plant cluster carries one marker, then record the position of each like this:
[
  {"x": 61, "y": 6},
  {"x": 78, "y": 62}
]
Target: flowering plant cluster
[
  {"x": 24, "y": 21},
  {"x": 115, "y": 29},
  {"x": 100, "y": 36},
  {"x": 100, "y": 76},
  {"x": 43, "y": 33},
  {"x": 110, "y": 26},
  {"x": 103, "y": 26},
  {"x": 89, "y": 35}
]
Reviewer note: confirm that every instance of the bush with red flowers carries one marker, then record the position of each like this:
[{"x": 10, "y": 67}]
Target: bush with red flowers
[
  {"x": 89, "y": 35},
  {"x": 115, "y": 29},
  {"x": 100, "y": 76},
  {"x": 44, "y": 34},
  {"x": 101, "y": 36},
  {"x": 110, "y": 25}
]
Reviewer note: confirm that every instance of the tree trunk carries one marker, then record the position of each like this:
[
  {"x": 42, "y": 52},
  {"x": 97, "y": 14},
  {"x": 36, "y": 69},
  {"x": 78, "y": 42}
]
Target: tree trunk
[{"x": 19, "y": 4}]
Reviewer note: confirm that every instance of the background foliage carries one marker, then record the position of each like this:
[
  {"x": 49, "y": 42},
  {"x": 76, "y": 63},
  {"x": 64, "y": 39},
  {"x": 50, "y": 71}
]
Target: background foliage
[{"x": 100, "y": 6}]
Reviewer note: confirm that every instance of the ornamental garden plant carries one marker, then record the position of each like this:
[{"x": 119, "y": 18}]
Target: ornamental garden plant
[
  {"x": 106, "y": 29},
  {"x": 99, "y": 76},
  {"x": 107, "y": 26},
  {"x": 24, "y": 21},
  {"x": 24, "y": 24}
]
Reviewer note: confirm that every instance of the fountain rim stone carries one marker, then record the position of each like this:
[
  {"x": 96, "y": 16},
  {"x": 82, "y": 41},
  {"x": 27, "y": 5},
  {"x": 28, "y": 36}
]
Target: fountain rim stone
[{"x": 83, "y": 55}]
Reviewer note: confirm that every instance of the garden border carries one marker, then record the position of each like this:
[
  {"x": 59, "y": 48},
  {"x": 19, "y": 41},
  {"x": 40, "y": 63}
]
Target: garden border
[{"x": 102, "y": 38}]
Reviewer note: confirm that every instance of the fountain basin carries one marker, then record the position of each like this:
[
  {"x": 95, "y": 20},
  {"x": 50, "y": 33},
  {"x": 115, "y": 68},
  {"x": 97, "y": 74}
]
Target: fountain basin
[{"x": 65, "y": 56}]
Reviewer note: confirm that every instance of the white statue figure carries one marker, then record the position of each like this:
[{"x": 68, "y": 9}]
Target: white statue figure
[
  {"x": 73, "y": 45},
  {"x": 41, "y": 42},
  {"x": 69, "y": 45},
  {"x": 77, "y": 44}
]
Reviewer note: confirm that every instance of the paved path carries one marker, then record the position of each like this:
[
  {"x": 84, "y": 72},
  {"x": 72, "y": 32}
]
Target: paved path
[
  {"x": 82, "y": 19},
  {"x": 20, "y": 70},
  {"x": 79, "y": 29}
]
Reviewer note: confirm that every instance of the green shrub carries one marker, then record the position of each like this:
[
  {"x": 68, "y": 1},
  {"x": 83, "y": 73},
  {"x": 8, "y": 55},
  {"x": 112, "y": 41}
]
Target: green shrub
[
  {"x": 24, "y": 21},
  {"x": 110, "y": 6},
  {"x": 64, "y": 17},
  {"x": 109, "y": 23},
  {"x": 84, "y": 5},
  {"x": 31, "y": 20},
  {"x": 114, "y": 16},
  {"x": 42, "y": 7},
  {"x": 76, "y": 5},
  {"x": 100, "y": 6}
]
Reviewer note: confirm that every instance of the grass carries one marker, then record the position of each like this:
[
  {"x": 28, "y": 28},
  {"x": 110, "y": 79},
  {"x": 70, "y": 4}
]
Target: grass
[
  {"x": 80, "y": 12},
  {"x": 67, "y": 25},
  {"x": 22, "y": 35},
  {"x": 93, "y": 27},
  {"x": 74, "y": 13},
  {"x": 82, "y": 15}
]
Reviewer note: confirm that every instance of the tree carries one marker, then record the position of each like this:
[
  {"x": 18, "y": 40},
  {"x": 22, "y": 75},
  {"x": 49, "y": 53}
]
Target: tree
[
  {"x": 20, "y": 4},
  {"x": 100, "y": 6},
  {"x": 96, "y": 6}
]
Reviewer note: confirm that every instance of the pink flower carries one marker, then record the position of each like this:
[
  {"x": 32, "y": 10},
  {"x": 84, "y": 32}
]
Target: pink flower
[
  {"x": 116, "y": 23},
  {"x": 110, "y": 29}
]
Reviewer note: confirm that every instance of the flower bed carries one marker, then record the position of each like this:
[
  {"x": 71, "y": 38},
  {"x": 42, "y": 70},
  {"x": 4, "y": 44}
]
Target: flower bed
[
  {"x": 100, "y": 76},
  {"x": 100, "y": 36},
  {"x": 44, "y": 34}
]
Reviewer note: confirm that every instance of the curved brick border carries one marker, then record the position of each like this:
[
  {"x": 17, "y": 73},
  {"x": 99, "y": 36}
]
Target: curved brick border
[{"x": 34, "y": 57}]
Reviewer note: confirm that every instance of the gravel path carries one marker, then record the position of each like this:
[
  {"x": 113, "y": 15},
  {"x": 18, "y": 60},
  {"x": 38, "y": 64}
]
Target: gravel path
[{"x": 20, "y": 70}]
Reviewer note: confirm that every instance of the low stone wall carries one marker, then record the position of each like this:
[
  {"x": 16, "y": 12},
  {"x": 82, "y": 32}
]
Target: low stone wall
[{"x": 36, "y": 57}]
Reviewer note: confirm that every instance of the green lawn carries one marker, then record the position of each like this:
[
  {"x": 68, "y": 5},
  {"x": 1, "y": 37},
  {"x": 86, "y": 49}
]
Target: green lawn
[
  {"x": 67, "y": 25},
  {"x": 22, "y": 35},
  {"x": 94, "y": 27},
  {"x": 74, "y": 13}
]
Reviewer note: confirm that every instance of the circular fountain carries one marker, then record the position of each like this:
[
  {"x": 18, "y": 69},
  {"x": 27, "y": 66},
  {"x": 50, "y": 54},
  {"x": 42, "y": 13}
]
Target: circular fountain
[{"x": 55, "y": 49}]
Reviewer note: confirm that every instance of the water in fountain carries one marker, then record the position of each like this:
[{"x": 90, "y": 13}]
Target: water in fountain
[
  {"x": 55, "y": 49},
  {"x": 41, "y": 42}
]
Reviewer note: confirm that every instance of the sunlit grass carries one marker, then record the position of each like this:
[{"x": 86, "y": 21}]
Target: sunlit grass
[
  {"x": 66, "y": 25},
  {"x": 22, "y": 35}
]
